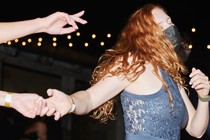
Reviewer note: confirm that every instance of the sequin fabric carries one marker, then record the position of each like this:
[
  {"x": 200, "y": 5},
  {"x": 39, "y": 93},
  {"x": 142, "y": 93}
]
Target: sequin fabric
[{"x": 152, "y": 115}]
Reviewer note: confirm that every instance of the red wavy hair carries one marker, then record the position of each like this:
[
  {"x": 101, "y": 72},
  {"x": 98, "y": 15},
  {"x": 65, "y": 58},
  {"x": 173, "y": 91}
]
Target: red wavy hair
[{"x": 143, "y": 40}]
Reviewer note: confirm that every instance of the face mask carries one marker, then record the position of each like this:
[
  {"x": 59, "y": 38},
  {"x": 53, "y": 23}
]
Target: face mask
[{"x": 173, "y": 36}]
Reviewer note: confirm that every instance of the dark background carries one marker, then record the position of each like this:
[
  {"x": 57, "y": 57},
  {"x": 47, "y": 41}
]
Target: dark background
[
  {"x": 106, "y": 16},
  {"x": 65, "y": 67}
]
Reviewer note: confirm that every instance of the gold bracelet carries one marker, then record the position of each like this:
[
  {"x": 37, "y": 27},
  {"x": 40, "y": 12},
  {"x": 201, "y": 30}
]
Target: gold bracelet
[
  {"x": 207, "y": 99},
  {"x": 8, "y": 99},
  {"x": 73, "y": 106}
]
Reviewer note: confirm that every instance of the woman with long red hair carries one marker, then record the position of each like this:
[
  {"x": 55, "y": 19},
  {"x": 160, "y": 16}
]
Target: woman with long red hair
[{"x": 145, "y": 70}]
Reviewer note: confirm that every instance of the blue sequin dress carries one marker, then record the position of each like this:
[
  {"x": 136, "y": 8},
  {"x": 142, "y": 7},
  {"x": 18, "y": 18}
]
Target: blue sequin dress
[{"x": 150, "y": 117}]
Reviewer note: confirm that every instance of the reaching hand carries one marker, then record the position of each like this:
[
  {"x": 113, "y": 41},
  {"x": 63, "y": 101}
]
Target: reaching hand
[
  {"x": 199, "y": 81},
  {"x": 58, "y": 104},
  {"x": 61, "y": 23},
  {"x": 27, "y": 104}
]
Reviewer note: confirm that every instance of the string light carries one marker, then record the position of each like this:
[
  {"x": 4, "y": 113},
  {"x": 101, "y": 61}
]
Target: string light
[
  {"x": 190, "y": 46},
  {"x": 54, "y": 44},
  {"x": 39, "y": 44},
  {"x": 70, "y": 44},
  {"x": 24, "y": 43},
  {"x": 9, "y": 43},
  {"x": 86, "y": 44},
  {"x": 93, "y": 36},
  {"x": 193, "y": 30},
  {"x": 54, "y": 39},
  {"x": 68, "y": 36},
  {"x": 29, "y": 40},
  {"x": 102, "y": 43},
  {"x": 16, "y": 40},
  {"x": 208, "y": 46},
  {"x": 78, "y": 33},
  {"x": 108, "y": 35}
]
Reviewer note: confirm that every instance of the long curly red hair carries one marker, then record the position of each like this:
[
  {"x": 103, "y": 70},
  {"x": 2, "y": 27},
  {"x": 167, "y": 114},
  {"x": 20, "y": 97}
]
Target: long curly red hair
[{"x": 143, "y": 40}]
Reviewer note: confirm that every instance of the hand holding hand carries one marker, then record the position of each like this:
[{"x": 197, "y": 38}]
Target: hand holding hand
[
  {"x": 58, "y": 104},
  {"x": 28, "y": 104}
]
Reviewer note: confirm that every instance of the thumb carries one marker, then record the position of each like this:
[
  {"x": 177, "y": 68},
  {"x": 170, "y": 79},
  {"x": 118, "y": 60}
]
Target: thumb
[
  {"x": 193, "y": 69},
  {"x": 50, "y": 92}
]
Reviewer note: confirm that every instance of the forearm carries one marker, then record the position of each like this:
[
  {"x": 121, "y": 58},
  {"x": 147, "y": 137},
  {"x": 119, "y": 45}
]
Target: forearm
[
  {"x": 82, "y": 100},
  {"x": 200, "y": 120},
  {"x": 12, "y": 30}
]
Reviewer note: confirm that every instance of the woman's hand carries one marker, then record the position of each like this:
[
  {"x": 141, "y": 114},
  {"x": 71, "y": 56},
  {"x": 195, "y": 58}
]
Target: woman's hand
[{"x": 200, "y": 82}]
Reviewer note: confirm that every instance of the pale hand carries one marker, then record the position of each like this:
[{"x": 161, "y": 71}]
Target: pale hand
[
  {"x": 200, "y": 82},
  {"x": 58, "y": 104},
  {"x": 28, "y": 104},
  {"x": 54, "y": 23}
]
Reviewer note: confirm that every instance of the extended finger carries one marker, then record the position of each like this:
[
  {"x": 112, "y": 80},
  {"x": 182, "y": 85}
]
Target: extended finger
[
  {"x": 202, "y": 87},
  {"x": 57, "y": 115},
  {"x": 44, "y": 111},
  {"x": 199, "y": 82},
  {"x": 79, "y": 14},
  {"x": 78, "y": 19},
  {"x": 49, "y": 92},
  {"x": 198, "y": 77},
  {"x": 50, "y": 112},
  {"x": 196, "y": 72}
]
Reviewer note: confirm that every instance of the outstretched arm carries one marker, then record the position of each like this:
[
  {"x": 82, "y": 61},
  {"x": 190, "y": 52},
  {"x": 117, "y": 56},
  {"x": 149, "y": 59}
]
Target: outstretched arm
[
  {"x": 60, "y": 104},
  {"x": 51, "y": 24},
  {"x": 28, "y": 104}
]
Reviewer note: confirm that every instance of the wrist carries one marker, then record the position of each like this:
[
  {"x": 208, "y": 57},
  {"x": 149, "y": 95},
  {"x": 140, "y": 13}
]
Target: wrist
[
  {"x": 72, "y": 105},
  {"x": 39, "y": 25},
  {"x": 204, "y": 99},
  {"x": 8, "y": 99}
]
